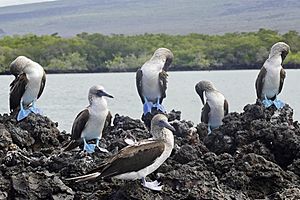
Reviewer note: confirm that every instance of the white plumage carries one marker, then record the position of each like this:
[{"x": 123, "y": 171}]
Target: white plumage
[
  {"x": 150, "y": 79},
  {"x": 98, "y": 112},
  {"x": 34, "y": 73},
  {"x": 215, "y": 101}
]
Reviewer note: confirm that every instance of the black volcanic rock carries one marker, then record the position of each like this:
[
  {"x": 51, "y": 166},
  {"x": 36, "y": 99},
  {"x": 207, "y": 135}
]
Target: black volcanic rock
[
  {"x": 268, "y": 132},
  {"x": 254, "y": 154}
]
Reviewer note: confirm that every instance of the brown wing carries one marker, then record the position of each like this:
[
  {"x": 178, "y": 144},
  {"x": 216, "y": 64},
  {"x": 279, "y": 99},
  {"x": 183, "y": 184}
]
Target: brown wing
[
  {"x": 78, "y": 126},
  {"x": 163, "y": 85},
  {"x": 226, "y": 107},
  {"x": 139, "y": 86},
  {"x": 42, "y": 85},
  {"x": 133, "y": 158},
  {"x": 282, "y": 77},
  {"x": 204, "y": 113},
  {"x": 17, "y": 90},
  {"x": 107, "y": 122},
  {"x": 260, "y": 82},
  {"x": 11, "y": 85}
]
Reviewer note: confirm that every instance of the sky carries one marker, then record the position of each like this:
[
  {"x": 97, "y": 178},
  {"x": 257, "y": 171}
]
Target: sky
[{"x": 4, "y": 3}]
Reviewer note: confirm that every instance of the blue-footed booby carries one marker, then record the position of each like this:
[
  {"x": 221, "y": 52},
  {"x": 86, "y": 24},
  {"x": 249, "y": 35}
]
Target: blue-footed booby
[
  {"x": 216, "y": 106},
  {"x": 90, "y": 122},
  {"x": 140, "y": 159},
  {"x": 270, "y": 79},
  {"x": 151, "y": 80},
  {"x": 28, "y": 86},
  {"x": 17, "y": 66}
]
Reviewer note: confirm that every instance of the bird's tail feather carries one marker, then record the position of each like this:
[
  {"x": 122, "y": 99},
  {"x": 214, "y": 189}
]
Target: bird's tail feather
[{"x": 84, "y": 177}]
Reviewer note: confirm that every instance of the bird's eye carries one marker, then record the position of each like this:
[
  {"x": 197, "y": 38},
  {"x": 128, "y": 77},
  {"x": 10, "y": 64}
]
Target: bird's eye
[
  {"x": 99, "y": 92},
  {"x": 161, "y": 123}
]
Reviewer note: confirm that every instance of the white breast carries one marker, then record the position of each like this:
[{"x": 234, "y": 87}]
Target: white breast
[
  {"x": 272, "y": 78},
  {"x": 97, "y": 116},
  {"x": 215, "y": 101},
  {"x": 33, "y": 86},
  {"x": 272, "y": 82},
  {"x": 150, "y": 80}
]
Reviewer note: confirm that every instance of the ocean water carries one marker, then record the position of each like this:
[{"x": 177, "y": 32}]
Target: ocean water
[{"x": 65, "y": 95}]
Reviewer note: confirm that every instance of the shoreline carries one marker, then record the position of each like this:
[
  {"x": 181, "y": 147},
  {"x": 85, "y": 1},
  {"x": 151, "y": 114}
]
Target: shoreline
[{"x": 172, "y": 69}]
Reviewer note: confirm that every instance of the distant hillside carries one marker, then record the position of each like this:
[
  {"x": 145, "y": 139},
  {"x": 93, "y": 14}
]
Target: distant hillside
[{"x": 70, "y": 17}]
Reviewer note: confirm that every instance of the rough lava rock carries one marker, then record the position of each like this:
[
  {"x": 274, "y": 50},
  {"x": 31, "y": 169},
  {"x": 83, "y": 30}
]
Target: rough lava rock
[{"x": 253, "y": 155}]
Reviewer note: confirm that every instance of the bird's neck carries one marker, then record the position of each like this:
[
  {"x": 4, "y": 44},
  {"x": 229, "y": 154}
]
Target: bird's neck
[
  {"x": 275, "y": 61},
  {"x": 34, "y": 71},
  {"x": 210, "y": 93},
  {"x": 159, "y": 57},
  {"x": 158, "y": 62},
  {"x": 164, "y": 134},
  {"x": 98, "y": 103}
]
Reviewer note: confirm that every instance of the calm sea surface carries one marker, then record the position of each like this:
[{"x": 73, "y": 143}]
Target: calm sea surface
[{"x": 65, "y": 95}]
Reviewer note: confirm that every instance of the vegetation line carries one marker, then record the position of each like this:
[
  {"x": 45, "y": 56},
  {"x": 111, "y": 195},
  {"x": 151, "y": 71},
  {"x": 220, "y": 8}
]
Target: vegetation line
[{"x": 119, "y": 53}]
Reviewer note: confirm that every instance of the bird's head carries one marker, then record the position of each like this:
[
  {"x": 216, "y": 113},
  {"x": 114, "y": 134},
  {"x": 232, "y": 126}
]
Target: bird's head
[
  {"x": 280, "y": 48},
  {"x": 204, "y": 86},
  {"x": 97, "y": 91},
  {"x": 158, "y": 123},
  {"x": 18, "y": 65},
  {"x": 166, "y": 55}
]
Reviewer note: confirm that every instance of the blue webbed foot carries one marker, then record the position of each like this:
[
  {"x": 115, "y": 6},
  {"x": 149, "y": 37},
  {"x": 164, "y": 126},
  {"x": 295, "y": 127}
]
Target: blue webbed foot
[
  {"x": 267, "y": 102},
  {"x": 23, "y": 113},
  {"x": 147, "y": 107},
  {"x": 90, "y": 148},
  {"x": 278, "y": 103},
  {"x": 209, "y": 129},
  {"x": 160, "y": 107},
  {"x": 34, "y": 109}
]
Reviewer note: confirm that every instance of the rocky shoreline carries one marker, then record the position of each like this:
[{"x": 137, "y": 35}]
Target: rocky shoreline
[{"x": 253, "y": 155}]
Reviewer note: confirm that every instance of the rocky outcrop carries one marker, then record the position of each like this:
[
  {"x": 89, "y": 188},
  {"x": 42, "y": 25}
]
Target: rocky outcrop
[{"x": 253, "y": 155}]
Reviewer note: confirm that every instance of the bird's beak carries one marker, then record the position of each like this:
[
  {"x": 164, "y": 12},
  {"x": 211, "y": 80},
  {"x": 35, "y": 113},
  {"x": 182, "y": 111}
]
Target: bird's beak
[
  {"x": 168, "y": 63},
  {"x": 101, "y": 93},
  {"x": 201, "y": 96},
  {"x": 108, "y": 95},
  {"x": 169, "y": 126},
  {"x": 200, "y": 92},
  {"x": 284, "y": 54}
]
